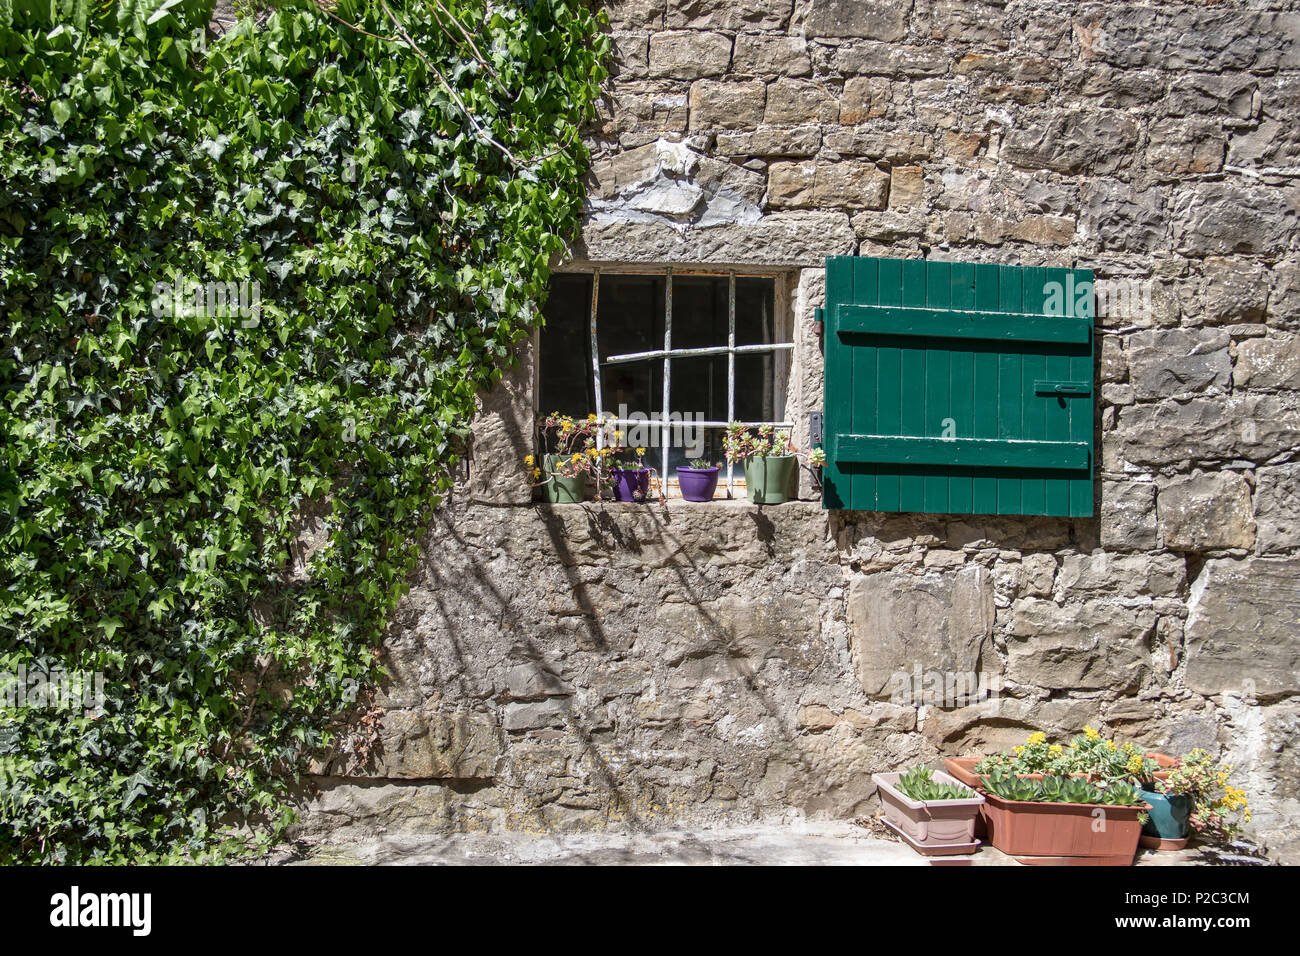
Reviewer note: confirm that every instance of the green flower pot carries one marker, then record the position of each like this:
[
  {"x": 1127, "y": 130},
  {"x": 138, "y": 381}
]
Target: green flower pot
[
  {"x": 562, "y": 491},
  {"x": 1170, "y": 815},
  {"x": 770, "y": 481}
]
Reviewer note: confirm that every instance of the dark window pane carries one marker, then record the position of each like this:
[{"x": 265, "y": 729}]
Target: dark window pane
[
  {"x": 755, "y": 387},
  {"x": 699, "y": 311},
  {"x": 630, "y": 315},
  {"x": 755, "y": 311},
  {"x": 565, "y": 356},
  {"x": 699, "y": 388},
  {"x": 633, "y": 387}
]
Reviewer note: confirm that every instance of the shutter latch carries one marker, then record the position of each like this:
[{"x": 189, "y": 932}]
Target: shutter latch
[{"x": 1062, "y": 388}]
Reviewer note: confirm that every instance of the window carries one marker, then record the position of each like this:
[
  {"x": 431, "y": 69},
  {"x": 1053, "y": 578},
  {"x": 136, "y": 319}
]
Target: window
[{"x": 693, "y": 350}]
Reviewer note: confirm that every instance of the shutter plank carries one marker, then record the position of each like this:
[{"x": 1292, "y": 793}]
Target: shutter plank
[
  {"x": 1033, "y": 491},
  {"x": 911, "y": 483},
  {"x": 938, "y": 386},
  {"x": 1010, "y": 400},
  {"x": 993, "y": 326},
  {"x": 961, "y": 295},
  {"x": 1082, "y": 411},
  {"x": 1056, "y": 411},
  {"x": 890, "y": 383},
  {"x": 997, "y": 454},
  {"x": 866, "y": 383}
]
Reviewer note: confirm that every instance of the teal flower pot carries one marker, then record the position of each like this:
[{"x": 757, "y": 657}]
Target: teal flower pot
[{"x": 1169, "y": 817}]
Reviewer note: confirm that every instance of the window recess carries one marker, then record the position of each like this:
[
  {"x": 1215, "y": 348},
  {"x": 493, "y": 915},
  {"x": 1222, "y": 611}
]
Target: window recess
[{"x": 691, "y": 347}]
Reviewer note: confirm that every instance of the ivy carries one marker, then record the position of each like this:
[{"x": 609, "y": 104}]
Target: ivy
[{"x": 377, "y": 190}]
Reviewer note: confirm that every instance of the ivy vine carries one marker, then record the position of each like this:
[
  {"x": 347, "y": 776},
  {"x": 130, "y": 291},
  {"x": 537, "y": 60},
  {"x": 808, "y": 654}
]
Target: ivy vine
[{"x": 365, "y": 197}]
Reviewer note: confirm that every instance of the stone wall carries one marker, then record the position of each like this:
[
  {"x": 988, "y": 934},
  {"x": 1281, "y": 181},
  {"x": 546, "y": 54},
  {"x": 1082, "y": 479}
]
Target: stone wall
[{"x": 595, "y": 665}]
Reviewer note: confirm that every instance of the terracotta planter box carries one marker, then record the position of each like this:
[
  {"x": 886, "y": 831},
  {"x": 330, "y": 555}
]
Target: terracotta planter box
[
  {"x": 931, "y": 826},
  {"x": 1063, "y": 830}
]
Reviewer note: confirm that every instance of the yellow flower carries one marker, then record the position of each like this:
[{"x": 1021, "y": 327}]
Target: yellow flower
[
  {"x": 1037, "y": 738},
  {"x": 640, "y": 452},
  {"x": 1110, "y": 745},
  {"x": 591, "y": 417},
  {"x": 528, "y": 460},
  {"x": 576, "y": 458},
  {"x": 1056, "y": 750},
  {"x": 617, "y": 433},
  {"x": 1017, "y": 750},
  {"x": 1091, "y": 734},
  {"x": 537, "y": 472}
]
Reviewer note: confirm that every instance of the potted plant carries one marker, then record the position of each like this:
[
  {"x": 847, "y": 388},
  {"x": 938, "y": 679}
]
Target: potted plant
[
  {"x": 1089, "y": 754},
  {"x": 769, "y": 460},
  {"x": 631, "y": 477},
  {"x": 933, "y": 812},
  {"x": 1066, "y": 820},
  {"x": 698, "y": 480},
  {"x": 1193, "y": 794},
  {"x": 569, "y": 458}
]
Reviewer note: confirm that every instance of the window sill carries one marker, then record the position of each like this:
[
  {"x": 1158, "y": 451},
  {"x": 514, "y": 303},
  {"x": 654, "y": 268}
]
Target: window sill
[{"x": 678, "y": 504}]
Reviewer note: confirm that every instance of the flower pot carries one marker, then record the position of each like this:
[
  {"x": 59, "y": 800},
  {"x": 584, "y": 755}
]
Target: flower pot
[
  {"x": 768, "y": 481},
  {"x": 697, "y": 484},
  {"x": 1170, "y": 816},
  {"x": 963, "y": 770},
  {"x": 559, "y": 490},
  {"x": 1067, "y": 832},
  {"x": 631, "y": 484},
  {"x": 931, "y": 826}
]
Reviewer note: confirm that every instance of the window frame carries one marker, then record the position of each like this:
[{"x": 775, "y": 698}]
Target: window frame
[{"x": 667, "y": 353}]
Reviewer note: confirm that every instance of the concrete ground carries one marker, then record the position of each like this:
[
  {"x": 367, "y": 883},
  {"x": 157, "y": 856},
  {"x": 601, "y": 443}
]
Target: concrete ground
[{"x": 819, "y": 844}]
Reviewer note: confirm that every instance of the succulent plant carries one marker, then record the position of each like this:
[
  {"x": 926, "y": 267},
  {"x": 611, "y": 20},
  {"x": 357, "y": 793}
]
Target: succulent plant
[{"x": 919, "y": 784}]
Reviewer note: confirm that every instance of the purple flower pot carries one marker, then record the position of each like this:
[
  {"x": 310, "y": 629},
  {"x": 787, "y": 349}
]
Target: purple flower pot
[
  {"x": 631, "y": 485},
  {"x": 697, "y": 484}
]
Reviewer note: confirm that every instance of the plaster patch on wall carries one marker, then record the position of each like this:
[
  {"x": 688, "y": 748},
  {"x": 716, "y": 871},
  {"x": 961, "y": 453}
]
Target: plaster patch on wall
[{"x": 670, "y": 182}]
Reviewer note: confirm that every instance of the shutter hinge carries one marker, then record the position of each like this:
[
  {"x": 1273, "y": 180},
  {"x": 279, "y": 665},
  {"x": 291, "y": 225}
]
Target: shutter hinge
[{"x": 815, "y": 428}]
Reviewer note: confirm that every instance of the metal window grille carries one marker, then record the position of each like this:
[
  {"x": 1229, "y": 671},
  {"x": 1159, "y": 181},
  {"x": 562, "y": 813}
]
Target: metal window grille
[{"x": 667, "y": 354}]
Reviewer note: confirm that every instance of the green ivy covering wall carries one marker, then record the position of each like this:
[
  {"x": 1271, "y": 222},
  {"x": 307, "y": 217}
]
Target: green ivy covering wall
[{"x": 384, "y": 187}]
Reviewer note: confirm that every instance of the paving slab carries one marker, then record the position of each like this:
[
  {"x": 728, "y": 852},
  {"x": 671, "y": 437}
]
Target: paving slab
[{"x": 814, "y": 844}]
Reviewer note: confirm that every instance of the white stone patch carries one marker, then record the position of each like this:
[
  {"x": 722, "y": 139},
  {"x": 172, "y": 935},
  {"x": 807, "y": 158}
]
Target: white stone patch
[{"x": 665, "y": 189}]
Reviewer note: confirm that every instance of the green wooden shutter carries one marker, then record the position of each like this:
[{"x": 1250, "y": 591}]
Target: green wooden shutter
[{"x": 958, "y": 388}]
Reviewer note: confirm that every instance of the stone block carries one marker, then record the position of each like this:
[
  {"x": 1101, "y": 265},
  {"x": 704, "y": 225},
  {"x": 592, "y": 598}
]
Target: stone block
[
  {"x": 764, "y": 55},
  {"x": 1206, "y": 511},
  {"x": 1277, "y": 507},
  {"x": 864, "y": 98},
  {"x": 869, "y": 19},
  {"x": 1093, "y": 645},
  {"x": 689, "y": 54},
  {"x": 1258, "y": 427},
  {"x": 795, "y": 102},
  {"x": 722, "y": 104},
  {"x": 1222, "y": 218},
  {"x": 1128, "y": 515},
  {"x": 1072, "y": 141},
  {"x": 729, "y": 14},
  {"x": 1268, "y": 363},
  {"x": 906, "y": 186},
  {"x": 1243, "y": 628},
  {"x": 1178, "y": 363},
  {"x": 899, "y": 622}
]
